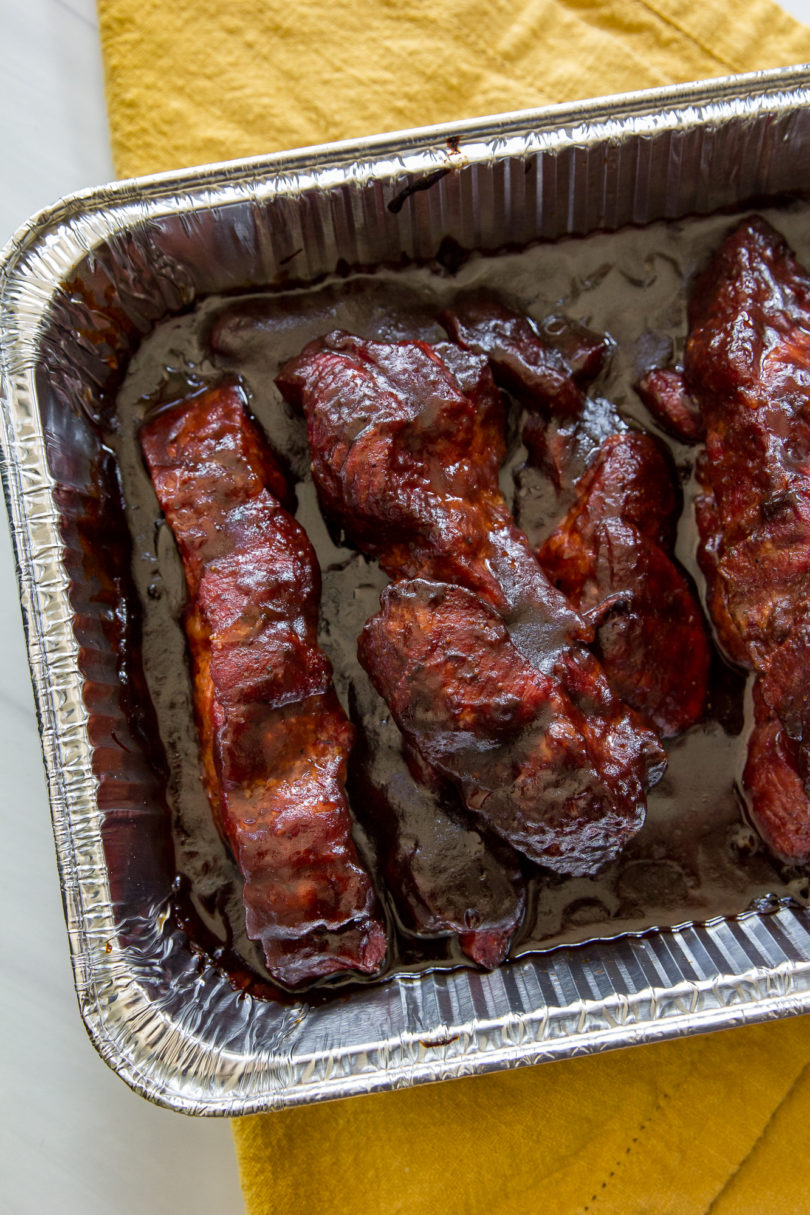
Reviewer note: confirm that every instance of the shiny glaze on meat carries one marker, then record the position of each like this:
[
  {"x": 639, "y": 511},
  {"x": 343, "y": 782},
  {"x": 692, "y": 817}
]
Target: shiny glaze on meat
[
  {"x": 507, "y": 735},
  {"x": 695, "y": 858},
  {"x": 274, "y": 739},
  {"x": 611, "y": 555},
  {"x": 747, "y": 365},
  {"x": 406, "y": 443}
]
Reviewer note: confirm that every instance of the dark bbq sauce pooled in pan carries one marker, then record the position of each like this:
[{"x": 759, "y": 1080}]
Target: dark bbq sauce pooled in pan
[{"x": 696, "y": 857}]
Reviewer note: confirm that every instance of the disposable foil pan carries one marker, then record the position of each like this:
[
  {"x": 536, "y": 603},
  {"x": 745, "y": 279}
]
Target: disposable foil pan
[{"x": 79, "y": 286}]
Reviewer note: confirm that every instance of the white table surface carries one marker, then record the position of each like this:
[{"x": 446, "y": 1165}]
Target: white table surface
[{"x": 73, "y": 1138}]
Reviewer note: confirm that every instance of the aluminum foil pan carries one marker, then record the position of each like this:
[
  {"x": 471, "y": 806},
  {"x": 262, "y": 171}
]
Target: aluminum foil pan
[{"x": 80, "y": 286}]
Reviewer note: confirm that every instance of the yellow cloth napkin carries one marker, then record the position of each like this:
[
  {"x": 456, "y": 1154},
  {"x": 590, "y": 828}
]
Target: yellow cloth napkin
[
  {"x": 191, "y": 81},
  {"x": 719, "y": 1124}
]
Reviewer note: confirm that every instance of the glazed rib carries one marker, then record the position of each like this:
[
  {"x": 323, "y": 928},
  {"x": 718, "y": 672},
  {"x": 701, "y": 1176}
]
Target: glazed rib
[
  {"x": 548, "y": 378},
  {"x": 506, "y": 734},
  {"x": 611, "y": 555},
  {"x": 448, "y": 877},
  {"x": 663, "y": 391},
  {"x": 406, "y": 443},
  {"x": 274, "y": 739},
  {"x": 533, "y": 369},
  {"x": 747, "y": 366}
]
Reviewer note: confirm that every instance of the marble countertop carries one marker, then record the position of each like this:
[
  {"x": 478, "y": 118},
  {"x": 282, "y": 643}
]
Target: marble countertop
[{"x": 73, "y": 1137}]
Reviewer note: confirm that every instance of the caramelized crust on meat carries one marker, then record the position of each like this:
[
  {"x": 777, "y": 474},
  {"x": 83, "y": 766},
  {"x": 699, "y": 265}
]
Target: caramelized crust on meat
[
  {"x": 447, "y": 876},
  {"x": 548, "y": 377},
  {"x": 777, "y": 791},
  {"x": 611, "y": 556},
  {"x": 748, "y": 364},
  {"x": 506, "y": 734},
  {"x": 748, "y": 367},
  {"x": 523, "y": 362},
  {"x": 406, "y": 450},
  {"x": 611, "y": 553},
  {"x": 663, "y": 390},
  {"x": 274, "y": 739},
  {"x": 406, "y": 446}
]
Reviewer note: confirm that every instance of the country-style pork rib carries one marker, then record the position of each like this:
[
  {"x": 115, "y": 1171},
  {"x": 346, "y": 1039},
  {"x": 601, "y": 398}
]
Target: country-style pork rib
[
  {"x": 507, "y": 735},
  {"x": 533, "y": 369},
  {"x": 549, "y": 378},
  {"x": 611, "y": 555},
  {"x": 446, "y": 875},
  {"x": 747, "y": 365},
  {"x": 274, "y": 739},
  {"x": 406, "y": 443}
]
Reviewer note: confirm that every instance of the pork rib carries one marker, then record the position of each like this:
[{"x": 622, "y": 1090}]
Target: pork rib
[
  {"x": 747, "y": 365},
  {"x": 447, "y": 877},
  {"x": 549, "y": 378},
  {"x": 611, "y": 555},
  {"x": 536, "y": 371},
  {"x": 274, "y": 739},
  {"x": 406, "y": 443},
  {"x": 507, "y": 735}
]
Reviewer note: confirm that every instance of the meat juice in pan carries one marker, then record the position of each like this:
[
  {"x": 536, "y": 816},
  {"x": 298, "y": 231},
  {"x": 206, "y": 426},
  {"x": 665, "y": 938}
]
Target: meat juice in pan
[{"x": 696, "y": 857}]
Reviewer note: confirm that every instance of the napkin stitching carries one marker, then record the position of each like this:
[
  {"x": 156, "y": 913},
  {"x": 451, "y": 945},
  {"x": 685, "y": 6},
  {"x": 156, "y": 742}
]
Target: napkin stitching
[
  {"x": 599, "y": 1193},
  {"x": 766, "y": 1128},
  {"x": 690, "y": 37},
  {"x": 502, "y": 64}
]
